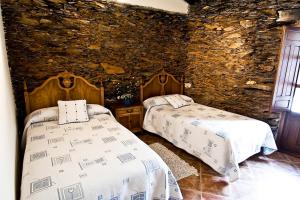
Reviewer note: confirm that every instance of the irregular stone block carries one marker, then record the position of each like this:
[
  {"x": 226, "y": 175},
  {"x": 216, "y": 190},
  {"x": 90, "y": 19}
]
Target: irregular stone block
[
  {"x": 40, "y": 3},
  {"x": 45, "y": 21},
  {"x": 212, "y": 26},
  {"x": 235, "y": 35},
  {"x": 29, "y": 21},
  {"x": 73, "y": 51},
  {"x": 236, "y": 45},
  {"x": 259, "y": 87},
  {"x": 57, "y": 1},
  {"x": 93, "y": 65},
  {"x": 267, "y": 68},
  {"x": 247, "y": 23},
  {"x": 230, "y": 28},
  {"x": 289, "y": 15},
  {"x": 111, "y": 69},
  {"x": 94, "y": 47}
]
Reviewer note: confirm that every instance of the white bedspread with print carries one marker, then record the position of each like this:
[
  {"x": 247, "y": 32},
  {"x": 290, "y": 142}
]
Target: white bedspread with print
[
  {"x": 219, "y": 138},
  {"x": 97, "y": 160}
]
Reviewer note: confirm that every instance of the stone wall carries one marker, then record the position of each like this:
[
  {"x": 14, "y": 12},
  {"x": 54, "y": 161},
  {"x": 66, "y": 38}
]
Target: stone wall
[
  {"x": 233, "y": 55},
  {"x": 228, "y": 50},
  {"x": 47, "y": 37}
]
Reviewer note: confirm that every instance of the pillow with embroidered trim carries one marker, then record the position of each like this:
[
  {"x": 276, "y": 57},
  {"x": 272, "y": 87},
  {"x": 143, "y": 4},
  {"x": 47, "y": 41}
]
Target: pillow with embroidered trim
[
  {"x": 72, "y": 111},
  {"x": 154, "y": 101},
  {"x": 95, "y": 109},
  {"x": 186, "y": 98},
  {"x": 42, "y": 115},
  {"x": 176, "y": 101}
]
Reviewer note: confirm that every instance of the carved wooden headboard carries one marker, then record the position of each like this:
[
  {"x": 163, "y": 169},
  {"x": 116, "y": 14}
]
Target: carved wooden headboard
[
  {"x": 161, "y": 83},
  {"x": 64, "y": 86}
]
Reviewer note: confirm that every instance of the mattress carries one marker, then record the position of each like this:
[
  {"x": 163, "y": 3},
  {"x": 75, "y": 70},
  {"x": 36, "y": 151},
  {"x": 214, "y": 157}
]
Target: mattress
[
  {"x": 98, "y": 159},
  {"x": 221, "y": 139}
]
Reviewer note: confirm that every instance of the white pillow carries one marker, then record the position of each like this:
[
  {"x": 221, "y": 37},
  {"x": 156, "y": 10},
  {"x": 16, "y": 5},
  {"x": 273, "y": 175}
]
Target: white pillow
[
  {"x": 155, "y": 101},
  {"x": 186, "y": 98},
  {"x": 51, "y": 113},
  {"x": 176, "y": 101},
  {"x": 95, "y": 109},
  {"x": 160, "y": 100},
  {"x": 42, "y": 115},
  {"x": 72, "y": 111}
]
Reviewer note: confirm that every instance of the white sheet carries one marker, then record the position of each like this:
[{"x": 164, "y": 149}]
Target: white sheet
[
  {"x": 219, "y": 138},
  {"x": 98, "y": 159}
]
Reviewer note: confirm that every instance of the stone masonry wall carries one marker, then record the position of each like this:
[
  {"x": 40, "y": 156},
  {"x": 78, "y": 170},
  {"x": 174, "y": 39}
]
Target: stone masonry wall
[
  {"x": 233, "y": 55},
  {"x": 228, "y": 50},
  {"x": 45, "y": 37}
]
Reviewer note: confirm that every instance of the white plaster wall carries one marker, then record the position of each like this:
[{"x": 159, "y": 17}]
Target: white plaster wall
[
  {"x": 179, "y": 6},
  {"x": 8, "y": 127}
]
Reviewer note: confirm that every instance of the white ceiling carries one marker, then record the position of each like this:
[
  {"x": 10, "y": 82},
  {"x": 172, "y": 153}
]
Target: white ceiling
[{"x": 179, "y": 6}]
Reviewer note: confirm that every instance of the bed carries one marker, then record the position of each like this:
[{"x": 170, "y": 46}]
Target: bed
[
  {"x": 98, "y": 159},
  {"x": 220, "y": 139}
]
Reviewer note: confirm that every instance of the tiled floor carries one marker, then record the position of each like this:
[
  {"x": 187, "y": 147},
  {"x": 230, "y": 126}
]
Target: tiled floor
[{"x": 273, "y": 177}]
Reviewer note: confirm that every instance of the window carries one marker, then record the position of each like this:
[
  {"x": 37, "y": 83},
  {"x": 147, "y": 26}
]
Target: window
[
  {"x": 287, "y": 87},
  {"x": 296, "y": 102}
]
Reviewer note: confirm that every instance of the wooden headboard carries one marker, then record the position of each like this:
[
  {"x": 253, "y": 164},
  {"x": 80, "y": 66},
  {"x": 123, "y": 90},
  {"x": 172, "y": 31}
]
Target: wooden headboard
[
  {"x": 161, "y": 83},
  {"x": 64, "y": 86}
]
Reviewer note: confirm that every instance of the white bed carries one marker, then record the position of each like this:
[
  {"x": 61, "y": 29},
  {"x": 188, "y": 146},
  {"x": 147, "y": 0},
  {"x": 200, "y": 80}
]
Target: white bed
[
  {"x": 98, "y": 159},
  {"x": 221, "y": 139}
]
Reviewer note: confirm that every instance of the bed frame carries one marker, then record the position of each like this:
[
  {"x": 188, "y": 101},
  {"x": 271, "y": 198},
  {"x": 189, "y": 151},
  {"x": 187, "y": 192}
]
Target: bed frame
[
  {"x": 64, "y": 86},
  {"x": 161, "y": 83}
]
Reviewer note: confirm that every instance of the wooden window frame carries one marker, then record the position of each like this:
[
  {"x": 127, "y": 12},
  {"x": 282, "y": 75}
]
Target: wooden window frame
[{"x": 295, "y": 85}]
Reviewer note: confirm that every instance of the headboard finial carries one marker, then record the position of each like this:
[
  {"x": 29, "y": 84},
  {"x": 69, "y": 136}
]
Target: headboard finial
[
  {"x": 66, "y": 78},
  {"x": 100, "y": 78},
  {"x": 141, "y": 81},
  {"x": 25, "y": 86},
  {"x": 65, "y": 74},
  {"x": 162, "y": 70}
]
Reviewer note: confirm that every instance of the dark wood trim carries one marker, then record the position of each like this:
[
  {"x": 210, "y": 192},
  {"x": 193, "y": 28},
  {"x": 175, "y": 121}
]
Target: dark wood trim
[
  {"x": 280, "y": 52},
  {"x": 280, "y": 129},
  {"x": 287, "y": 71},
  {"x": 290, "y": 137}
]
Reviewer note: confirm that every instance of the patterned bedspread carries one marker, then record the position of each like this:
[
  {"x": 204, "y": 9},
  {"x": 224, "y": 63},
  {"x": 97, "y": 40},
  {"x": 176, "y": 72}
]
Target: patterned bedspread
[
  {"x": 219, "y": 138},
  {"x": 98, "y": 159}
]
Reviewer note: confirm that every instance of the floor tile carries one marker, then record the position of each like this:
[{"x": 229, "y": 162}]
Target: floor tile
[
  {"x": 284, "y": 167},
  {"x": 190, "y": 194},
  {"x": 297, "y": 167},
  {"x": 241, "y": 189},
  {"x": 292, "y": 158},
  {"x": 205, "y": 169},
  {"x": 208, "y": 196},
  {"x": 197, "y": 196},
  {"x": 276, "y": 156},
  {"x": 245, "y": 172},
  {"x": 191, "y": 182},
  {"x": 276, "y": 176},
  {"x": 215, "y": 185}
]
